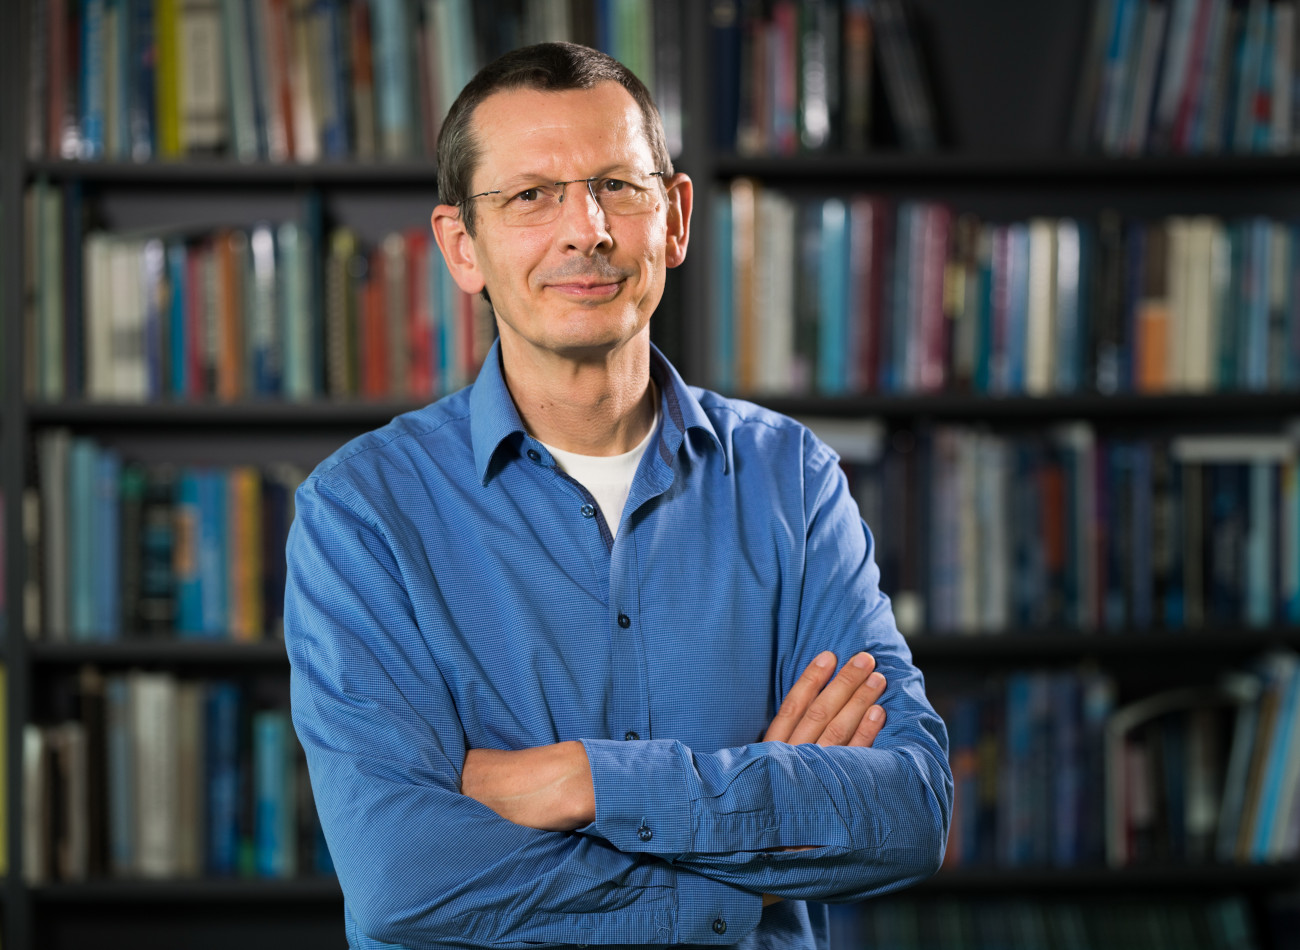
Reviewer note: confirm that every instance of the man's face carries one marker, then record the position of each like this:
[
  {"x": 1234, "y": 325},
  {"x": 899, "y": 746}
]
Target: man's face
[{"x": 585, "y": 283}]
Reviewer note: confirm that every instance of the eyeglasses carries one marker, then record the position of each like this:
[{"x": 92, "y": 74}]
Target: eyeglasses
[{"x": 524, "y": 207}]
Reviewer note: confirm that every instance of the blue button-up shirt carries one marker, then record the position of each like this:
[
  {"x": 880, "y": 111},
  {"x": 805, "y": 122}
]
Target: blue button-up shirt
[{"x": 450, "y": 588}]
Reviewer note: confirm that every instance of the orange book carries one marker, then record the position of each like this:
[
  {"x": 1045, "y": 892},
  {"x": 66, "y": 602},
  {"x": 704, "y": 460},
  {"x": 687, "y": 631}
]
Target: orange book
[
  {"x": 744, "y": 213},
  {"x": 1153, "y": 315},
  {"x": 244, "y": 513},
  {"x": 232, "y": 261}
]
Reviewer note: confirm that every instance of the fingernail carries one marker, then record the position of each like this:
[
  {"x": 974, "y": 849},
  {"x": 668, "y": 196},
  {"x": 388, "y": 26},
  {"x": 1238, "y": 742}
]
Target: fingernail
[
  {"x": 826, "y": 660},
  {"x": 876, "y": 681},
  {"x": 863, "y": 660},
  {"x": 875, "y": 714}
]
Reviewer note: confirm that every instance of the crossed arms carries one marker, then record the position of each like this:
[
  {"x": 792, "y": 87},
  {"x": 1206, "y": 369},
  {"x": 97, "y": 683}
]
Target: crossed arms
[{"x": 550, "y": 788}]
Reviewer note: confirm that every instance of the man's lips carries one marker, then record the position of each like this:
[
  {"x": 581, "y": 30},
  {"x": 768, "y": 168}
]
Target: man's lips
[{"x": 586, "y": 289}]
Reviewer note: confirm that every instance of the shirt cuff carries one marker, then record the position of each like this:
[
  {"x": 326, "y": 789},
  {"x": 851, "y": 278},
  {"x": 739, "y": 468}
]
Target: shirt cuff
[
  {"x": 643, "y": 799},
  {"x": 710, "y": 912}
]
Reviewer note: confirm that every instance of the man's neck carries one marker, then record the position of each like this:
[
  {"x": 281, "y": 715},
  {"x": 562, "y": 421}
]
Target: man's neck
[{"x": 589, "y": 407}]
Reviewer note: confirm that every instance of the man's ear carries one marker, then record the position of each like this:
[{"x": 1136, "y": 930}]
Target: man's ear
[
  {"x": 680, "y": 196},
  {"x": 457, "y": 248}
]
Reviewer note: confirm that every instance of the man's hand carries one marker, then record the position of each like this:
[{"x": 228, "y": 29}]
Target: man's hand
[
  {"x": 845, "y": 712},
  {"x": 548, "y": 788}
]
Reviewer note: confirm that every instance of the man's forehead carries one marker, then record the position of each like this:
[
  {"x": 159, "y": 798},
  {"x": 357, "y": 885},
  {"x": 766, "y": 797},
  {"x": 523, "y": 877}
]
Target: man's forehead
[{"x": 605, "y": 119}]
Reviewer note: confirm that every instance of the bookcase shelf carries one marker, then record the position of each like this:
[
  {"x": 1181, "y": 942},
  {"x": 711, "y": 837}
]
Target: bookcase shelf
[
  {"x": 995, "y": 651},
  {"x": 182, "y": 654},
  {"x": 227, "y": 173},
  {"x": 236, "y": 891},
  {"x": 266, "y": 414},
  {"x": 1011, "y": 168},
  {"x": 1057, "y": 881}
]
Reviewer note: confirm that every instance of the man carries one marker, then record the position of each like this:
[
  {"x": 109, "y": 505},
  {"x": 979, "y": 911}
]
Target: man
[{"x": 538, "y": 628}]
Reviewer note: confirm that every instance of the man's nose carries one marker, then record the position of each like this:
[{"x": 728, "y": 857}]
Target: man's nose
[{"x": 582, "y": 224}]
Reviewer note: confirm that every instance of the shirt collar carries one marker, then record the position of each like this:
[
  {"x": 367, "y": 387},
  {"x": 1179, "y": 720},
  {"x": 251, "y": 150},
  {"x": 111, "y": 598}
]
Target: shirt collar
[{"x": 495, "y": 422}]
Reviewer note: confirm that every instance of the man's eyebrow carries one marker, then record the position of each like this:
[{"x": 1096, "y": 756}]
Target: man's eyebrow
[{"x": 539, "y": 178}]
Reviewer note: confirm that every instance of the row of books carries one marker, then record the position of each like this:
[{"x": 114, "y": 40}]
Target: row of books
[
  {"x": 802, "y": 76},
  {"x": 1189, "y": 76},
  {"x": 860, "y": 294},
  {"x": 1185, "y": 781},
  {"x": 133, "y": 550},
  {"x": 154, "y": 776},
  {"x": 272, "y": 311},
  {"x": 299, "y": 80},
  {"x": 1076, "y": 923},
  {"x": 984, "y": 532},
  {"x": 1049, "y": 772}
]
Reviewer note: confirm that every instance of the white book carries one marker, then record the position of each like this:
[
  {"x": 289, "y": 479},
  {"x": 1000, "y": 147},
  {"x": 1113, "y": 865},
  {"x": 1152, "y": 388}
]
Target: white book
[
  {"x": 96, "y": 314},
  {"x": 774, "y": 301},
  {"x": 1196, "y": 300},
  {"x": 1178, "y": 231},
  {"x": 205, "y": 119},
  {"x": 36, "y": 806},
  {"x": 302, "y": 63},
  {"x": 153, "y": 711},
  {"x": 1041, "y": 327},
  {"x": 992, "y": 508},
  {"x": 128, "y": 372}
]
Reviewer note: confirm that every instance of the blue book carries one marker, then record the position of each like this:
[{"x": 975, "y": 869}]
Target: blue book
[
  {"x": 1017, "y": 307},
  {"x": 725, "y": 72},
  {"x": 1254, "y": 341},
  {"x": 833, "y": 302},
  {"x": 1261, "y": 594},
  {"x": 82, "y": 462},
  {"x": 1014, "y": 816},
  {"x": 154, "y": 260},
  {"x": 394, "y": 90},
  {"x": 1067, "y": 757},
  {"x": 1284, "y": 674},
  {"x": 222, "y": 702},
  {"x": 334, "y": 115},
  {"x": 1227, "y": 344},
  {"x": 189, "y": 601},
  {"x": 983, "y": 381},
  {"x": 141, "y": 104},
  {"x": 724, "y": 340},
  {"x": 1140, "y": 535},
  {"x": 117, "y": 23},
  {"x": 178, "y": 330},
  {"x": 93, "y": 79},
  {"x": 214, "y": 554},
  {"x": 108, "y": 540},
  {"x": 274, "y": 796},
  {"x": 901, "y": 315}
]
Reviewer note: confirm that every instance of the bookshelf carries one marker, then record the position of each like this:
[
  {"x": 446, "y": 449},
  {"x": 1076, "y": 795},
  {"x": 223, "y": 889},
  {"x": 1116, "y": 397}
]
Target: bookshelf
[{"x": 1005, "y": 76}]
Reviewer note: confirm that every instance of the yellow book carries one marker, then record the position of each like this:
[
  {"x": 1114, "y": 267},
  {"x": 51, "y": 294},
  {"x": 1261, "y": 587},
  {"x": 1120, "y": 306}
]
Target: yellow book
[{"x": 167, "y": 78}]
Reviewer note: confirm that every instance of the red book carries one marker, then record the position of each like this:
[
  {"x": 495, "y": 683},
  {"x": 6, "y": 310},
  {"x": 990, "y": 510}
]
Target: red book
[{"x": 422, "y": 346}]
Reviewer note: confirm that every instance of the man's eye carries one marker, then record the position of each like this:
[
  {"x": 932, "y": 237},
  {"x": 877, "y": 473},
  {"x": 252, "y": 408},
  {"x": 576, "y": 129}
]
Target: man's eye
[
  {"x": 528, "y": 195},
  {"x": 614, "y": 184}
]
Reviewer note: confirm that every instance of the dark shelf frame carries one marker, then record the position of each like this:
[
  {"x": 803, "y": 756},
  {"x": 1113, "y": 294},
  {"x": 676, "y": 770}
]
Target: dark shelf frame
[
  {"x": 1232, "y": 405},
  {"x": 178, "y": 653},
  {"x": 238, "y": 891}
]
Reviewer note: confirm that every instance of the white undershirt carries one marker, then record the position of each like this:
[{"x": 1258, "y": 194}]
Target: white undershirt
[{"x": 607, "y": 477}]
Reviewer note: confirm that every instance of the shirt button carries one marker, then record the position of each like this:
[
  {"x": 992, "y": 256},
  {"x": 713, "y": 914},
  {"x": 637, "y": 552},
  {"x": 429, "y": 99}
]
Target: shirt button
[
  {"x": 624, "y": 621},
  {"x": 588, "y": 511},
  {"x": 719, "y": 926},
  {"x": 644, "y": 833},
  {"x": 630, "y": 736},
  {"x": 534, "y": 455}
]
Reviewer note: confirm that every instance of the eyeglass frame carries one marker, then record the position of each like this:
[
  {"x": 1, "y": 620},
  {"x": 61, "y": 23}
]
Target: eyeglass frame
[{"x": 563, "y": 186}]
